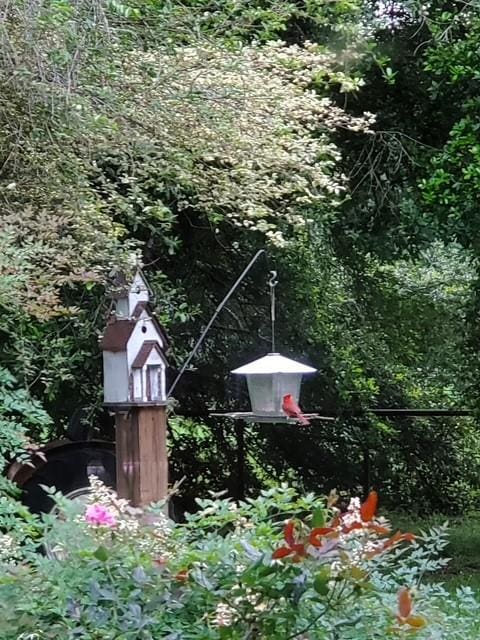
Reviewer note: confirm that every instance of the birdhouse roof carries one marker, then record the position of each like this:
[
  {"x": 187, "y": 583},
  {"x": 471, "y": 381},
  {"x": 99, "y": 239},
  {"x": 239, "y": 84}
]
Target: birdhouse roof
[
  {"x": 273, "y": 363},
  {"x": 144, "y": 352},
  {"x": 117, "y": 335},
  {"x": 140, "y": 307}
]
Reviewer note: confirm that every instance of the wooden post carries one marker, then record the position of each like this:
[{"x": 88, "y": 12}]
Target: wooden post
[{"x": 141, "y": 447}]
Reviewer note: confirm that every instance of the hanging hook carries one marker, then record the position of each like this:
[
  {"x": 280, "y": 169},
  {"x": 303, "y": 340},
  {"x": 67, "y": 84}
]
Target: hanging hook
[{"x": 273, "y": 280}]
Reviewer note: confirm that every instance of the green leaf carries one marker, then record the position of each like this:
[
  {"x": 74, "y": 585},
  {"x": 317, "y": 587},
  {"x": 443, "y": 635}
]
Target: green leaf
[
  {"x": 320, "y": 582},
  {"x": 101, "y": 554},
  {"x": 318, "y": 519}
]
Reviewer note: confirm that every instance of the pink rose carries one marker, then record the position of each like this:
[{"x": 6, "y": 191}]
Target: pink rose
[{"x": 99, "y": 516}]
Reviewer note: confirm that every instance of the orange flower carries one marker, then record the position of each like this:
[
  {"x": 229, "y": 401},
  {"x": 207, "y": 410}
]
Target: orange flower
[
  {"x": 321, "y": 532},
  {"x": 399, "y": 537},
  {"x": 182, "y": 576},
  {"x": 293, "y": 547},
  {"x": 395, "y": 539},
  {"x": 405, "y": 604},
  {"x": 369, "y": 508},
  {"x": 405, "y": 608}
]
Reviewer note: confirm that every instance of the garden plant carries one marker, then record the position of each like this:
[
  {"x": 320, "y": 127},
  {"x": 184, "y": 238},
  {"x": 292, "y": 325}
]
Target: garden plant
[{"x": 278, "y": 566}]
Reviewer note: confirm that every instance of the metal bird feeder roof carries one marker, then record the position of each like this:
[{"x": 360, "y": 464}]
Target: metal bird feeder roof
[{"x": 273, "y": 363}]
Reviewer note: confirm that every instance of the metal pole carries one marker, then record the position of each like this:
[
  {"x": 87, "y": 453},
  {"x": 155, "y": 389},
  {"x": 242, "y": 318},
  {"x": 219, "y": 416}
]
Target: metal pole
[
  {"x": 213, "y": 318},
  {"x": 240, "y": 438}
]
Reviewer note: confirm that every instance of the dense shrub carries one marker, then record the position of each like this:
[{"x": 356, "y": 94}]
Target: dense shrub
[{"x": 279, "y": 566}]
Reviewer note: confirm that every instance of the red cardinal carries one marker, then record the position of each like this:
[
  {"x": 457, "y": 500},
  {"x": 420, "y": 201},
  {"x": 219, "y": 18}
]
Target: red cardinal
[{"x": 291, "y": 408}]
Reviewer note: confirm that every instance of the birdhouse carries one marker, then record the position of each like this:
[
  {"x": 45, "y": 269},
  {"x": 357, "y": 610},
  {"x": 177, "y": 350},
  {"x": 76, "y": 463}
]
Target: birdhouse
[
  {"x": 271, "y": 378},
  {"x": 133, "y": 344}
]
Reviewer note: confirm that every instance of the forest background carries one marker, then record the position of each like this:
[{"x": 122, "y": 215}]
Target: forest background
[{"x": 343, "y": 137}]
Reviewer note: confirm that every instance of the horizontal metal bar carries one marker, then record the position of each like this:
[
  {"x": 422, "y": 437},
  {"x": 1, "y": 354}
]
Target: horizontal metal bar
[{"x": 422, "y": 412}]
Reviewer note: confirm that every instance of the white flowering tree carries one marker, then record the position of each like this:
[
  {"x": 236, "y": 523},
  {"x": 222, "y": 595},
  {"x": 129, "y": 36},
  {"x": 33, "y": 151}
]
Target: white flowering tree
[
  {"x": 130, "y": 129},
  {"x": 245, "y": 134}
]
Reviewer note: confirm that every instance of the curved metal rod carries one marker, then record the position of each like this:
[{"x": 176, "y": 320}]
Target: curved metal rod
[{"x": 213, "y": 318}]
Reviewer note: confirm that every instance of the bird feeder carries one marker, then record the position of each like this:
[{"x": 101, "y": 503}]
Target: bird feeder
[{"x": 271, "y": 378}]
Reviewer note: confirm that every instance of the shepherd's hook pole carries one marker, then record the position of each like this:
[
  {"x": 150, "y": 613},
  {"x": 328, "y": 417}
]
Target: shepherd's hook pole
[{"x": 213, "y": 318}]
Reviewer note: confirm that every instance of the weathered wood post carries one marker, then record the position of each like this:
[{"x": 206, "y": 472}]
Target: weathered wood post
[
  {"x": 141, "y": 448},
  {"x": 134, "y": 367}
]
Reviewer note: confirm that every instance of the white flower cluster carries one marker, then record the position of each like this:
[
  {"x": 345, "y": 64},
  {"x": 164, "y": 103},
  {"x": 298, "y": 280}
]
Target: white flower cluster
[
  {"x": 246, "y": 133},
  {"x": 152, "y": 537},
  {"x": 245, "y": 603},
  {"x": 158, "y": 543},
  {"x": 360, "y": 540},
  {"x": 224, "y": 615},
  {"x": 246, "y": 596},
  {"x": 9, "y": 549},
  {"x": 352, "y": 514},
  {"x": 243, "y": 524}
]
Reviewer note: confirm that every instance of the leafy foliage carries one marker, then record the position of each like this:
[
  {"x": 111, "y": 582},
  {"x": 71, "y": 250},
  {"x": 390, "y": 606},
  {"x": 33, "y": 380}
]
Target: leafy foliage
[
  {"x": 229, "y": 571},
  {"x": 19, "y": 415},
  {"x": 124, "y": 169}
]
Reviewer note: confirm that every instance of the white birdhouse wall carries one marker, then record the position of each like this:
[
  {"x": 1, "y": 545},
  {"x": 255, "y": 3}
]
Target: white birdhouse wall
[
  {"x": 115, "y": 376},
  {"x": 137, "y": 386},
  {"x": 144, "y": 331}
]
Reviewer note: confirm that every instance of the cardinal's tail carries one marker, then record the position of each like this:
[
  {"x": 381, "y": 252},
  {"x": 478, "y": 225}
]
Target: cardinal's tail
[{"x": 303, "y": 420}]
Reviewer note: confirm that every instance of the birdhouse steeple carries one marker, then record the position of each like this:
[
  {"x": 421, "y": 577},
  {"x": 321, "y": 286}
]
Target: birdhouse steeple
[{"x": 128, "y": 295}]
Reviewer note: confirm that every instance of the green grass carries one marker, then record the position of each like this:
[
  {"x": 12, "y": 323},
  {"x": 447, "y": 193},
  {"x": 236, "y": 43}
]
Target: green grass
[{"x": 463, "y": 549}]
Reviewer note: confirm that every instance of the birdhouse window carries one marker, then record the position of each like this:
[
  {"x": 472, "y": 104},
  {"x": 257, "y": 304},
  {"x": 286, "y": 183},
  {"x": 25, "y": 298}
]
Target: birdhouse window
[
  {"x": 131, "y": 393},
  {"x": 136, "y": 391},
  {"x": 154, "y": 383}
]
